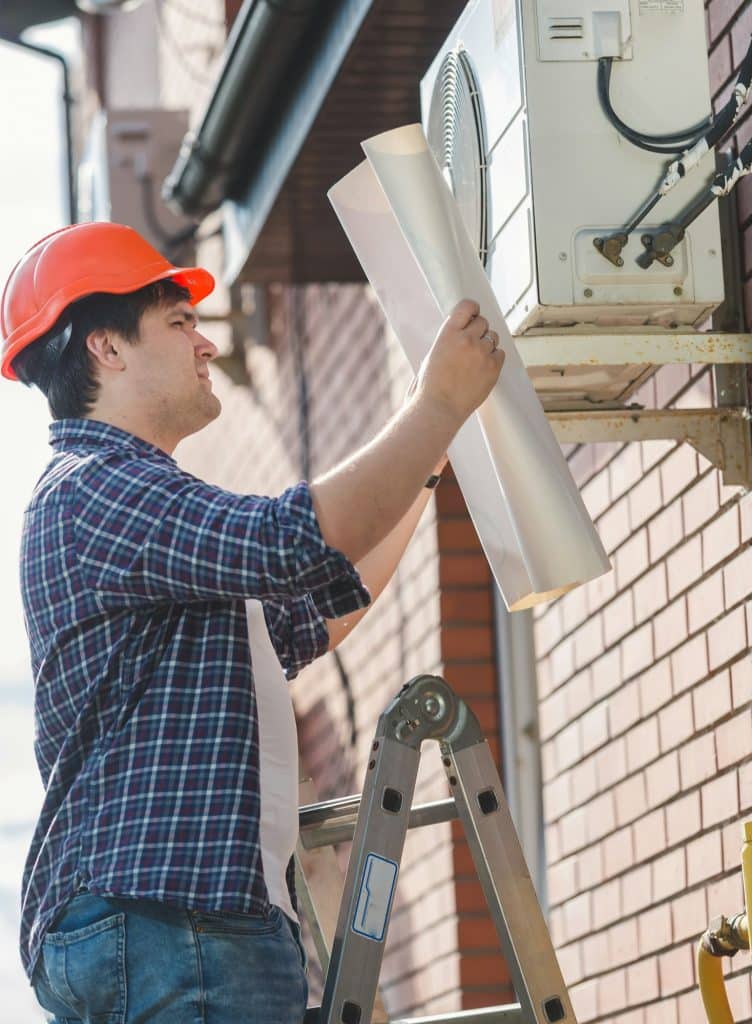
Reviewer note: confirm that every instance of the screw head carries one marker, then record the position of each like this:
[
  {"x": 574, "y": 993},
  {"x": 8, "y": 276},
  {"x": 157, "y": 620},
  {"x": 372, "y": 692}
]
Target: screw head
[
  {"x": 563, "y": 257},
  {"x": 678, "y": 290},
  {"x": 669, "y": 261},
  {"x": 588, "y": 293},
  {"x": 620, "y": 262}
]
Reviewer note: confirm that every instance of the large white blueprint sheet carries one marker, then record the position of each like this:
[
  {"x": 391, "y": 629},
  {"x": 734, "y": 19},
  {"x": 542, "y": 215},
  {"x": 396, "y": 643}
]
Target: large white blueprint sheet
[{"x": 407, "y": 231}]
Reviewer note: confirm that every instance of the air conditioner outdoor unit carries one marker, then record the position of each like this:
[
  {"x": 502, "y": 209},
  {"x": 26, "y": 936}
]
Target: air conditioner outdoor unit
[{"x": 512, "y": 112}]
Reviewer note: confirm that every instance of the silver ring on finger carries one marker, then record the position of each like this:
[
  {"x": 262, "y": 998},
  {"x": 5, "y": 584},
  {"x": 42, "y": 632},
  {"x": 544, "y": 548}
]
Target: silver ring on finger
[{"x": 489, "y": 337}]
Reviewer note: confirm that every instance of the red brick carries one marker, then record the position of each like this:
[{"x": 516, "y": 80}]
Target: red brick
[
  {"x": 669, "y": 875},
  {"x": 613, "y": 526},
  {"x": 625, "y": 470},
  {"x": 745, "y": 505},
  {"x": 611, "y": 764},
  {"x": 579, "y": 693},
  {"x": 678, "y": 471},
  {"x": 630, "y": 799},
  {"x": 720, "y": 539},
  {"x": 618, "y": 852},
  {"x": 645, "y": 499},
  {"x": 562, "y": 662},
  {"x": 727, "y": 638},
  {"x": 654, "y": 928},
  {"x": 606, "y": 674},
  {"x": 705, "y": 602},
  {"x": 697, "y": 761},
  {"x": 649, "y": 835},
  {"x": 585, "y": 1000},
  {"x": 690, "y": 915},
  {"x": 650, "y": 593},
  {"x": 662, "y": 779},
  {"x": 737, "y": 578},
  {"x": 606, "y": 904},
  {"x": 624, "y": 708},
  {"x": 577, "y": 919},
  {"x": 720, "y": 799},
  {"x": 596, "y": 495},
  {"x": 684, "y": 566},
  {"x": 594, "y": 728},
  {"x": 664, "y": 1012},
  {"x": 632, "y": 559},
  {"x": 642, "y": 744},
  {"x": 683, "y": 818},
  {"x": 612, "y": 992},
  {"x": 712, "y": 700},
  {"x": 590, "y": 867},
  {"x": 465, "y": 605},
  {"x": 588, "y": 641},
  {"x": 466, "y": 643},
  {"x": 584, "y": 781},
  {"x": 700, "y": 503},
  {"x": 732, "y": 740},
  {"x": 618, "y": 618},
  {"x": 637, "y": 651},
  {"x": 568, "y": 745},
  {"x": 676, "y": 970},
  {"x": 741, "y": 682},
  {"x": 665, "y": 531},
  {"x": 642, "y": 981},
  {"x": 675, "y": 723},
  {"x": 552, "y": 714},
  {"x": 601, "y": 817},
  {"x": 670, "y": 627},
  {"x": 689, "y": 663},
  {"x": 636, "y": 890},
  {"x": 572, "y": 834},
  {"x": 726, "y": 895},
  {"x": 739, "y": 991},
  {"x": 655, "y": 686},
  {"x": 557, "y": 799}
]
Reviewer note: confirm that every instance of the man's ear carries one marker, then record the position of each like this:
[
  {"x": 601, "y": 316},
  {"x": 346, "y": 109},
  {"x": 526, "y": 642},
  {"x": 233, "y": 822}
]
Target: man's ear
[{"x": 106, "y": 347}]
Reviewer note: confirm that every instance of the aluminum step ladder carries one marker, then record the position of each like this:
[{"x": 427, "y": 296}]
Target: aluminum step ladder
[{"x": 425, "y": 708}]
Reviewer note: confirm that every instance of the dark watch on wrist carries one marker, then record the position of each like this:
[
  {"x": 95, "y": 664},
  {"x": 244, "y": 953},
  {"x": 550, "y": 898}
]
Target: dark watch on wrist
[{"x": 432, "y": 481}]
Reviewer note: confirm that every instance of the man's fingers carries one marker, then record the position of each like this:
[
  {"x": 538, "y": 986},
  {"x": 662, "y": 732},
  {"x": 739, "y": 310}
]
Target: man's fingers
[
  {"x": 477, "y": 327},
  {"x": 464, "y": 312}
]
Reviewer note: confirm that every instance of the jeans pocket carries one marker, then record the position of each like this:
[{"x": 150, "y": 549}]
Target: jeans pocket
[
  {"x": 85, "y": 970},
  {"x": 228, "y": 922}
]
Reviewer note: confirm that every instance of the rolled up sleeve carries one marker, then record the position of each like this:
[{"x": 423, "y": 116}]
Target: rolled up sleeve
[{"x": 145, "y": 531}]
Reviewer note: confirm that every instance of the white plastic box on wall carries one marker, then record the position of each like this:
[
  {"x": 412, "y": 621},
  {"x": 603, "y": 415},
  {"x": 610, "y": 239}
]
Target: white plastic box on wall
[{"x": 510, "y": 106}]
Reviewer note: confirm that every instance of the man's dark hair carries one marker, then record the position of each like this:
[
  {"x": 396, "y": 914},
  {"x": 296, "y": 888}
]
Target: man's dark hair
[{"x": 69, "y": 378}]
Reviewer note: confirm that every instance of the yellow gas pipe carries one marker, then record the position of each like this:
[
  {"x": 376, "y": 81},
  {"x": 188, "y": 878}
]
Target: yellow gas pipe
[{"x": 724, "y": 938}]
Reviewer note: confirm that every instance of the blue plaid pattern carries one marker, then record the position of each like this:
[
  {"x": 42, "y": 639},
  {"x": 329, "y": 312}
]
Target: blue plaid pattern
[{"x": 133, "y": 577}]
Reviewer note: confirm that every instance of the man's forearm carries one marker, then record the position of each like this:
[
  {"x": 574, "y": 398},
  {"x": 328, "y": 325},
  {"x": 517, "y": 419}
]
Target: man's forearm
[{"x": 363, "y": 499}]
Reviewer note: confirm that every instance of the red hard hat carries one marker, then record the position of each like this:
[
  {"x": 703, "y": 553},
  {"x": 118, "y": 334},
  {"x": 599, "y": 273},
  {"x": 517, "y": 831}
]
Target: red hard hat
[{"x": 77, "y": 261}]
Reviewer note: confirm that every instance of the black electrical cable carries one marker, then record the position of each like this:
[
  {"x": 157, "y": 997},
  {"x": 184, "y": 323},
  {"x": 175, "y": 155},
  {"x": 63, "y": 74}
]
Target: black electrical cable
[{"x": 667, "y": 144}]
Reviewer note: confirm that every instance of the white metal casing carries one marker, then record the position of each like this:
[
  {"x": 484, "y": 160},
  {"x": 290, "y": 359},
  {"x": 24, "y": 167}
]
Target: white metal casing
[{"x": 559, "y": 174}]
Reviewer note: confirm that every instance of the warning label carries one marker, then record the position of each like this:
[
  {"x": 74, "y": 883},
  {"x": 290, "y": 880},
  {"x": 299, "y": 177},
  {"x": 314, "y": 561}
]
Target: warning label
[{"x": 661, "y": 6}]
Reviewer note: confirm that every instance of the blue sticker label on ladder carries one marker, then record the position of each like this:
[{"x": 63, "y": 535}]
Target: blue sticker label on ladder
[{"x": 375, "y": 897}]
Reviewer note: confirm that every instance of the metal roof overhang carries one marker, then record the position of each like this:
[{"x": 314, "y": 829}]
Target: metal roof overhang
[{"x": 301, "y": 85}]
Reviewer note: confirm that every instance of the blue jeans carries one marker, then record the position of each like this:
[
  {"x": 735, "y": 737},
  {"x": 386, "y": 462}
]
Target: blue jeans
[{"x": 135, "y": 961}]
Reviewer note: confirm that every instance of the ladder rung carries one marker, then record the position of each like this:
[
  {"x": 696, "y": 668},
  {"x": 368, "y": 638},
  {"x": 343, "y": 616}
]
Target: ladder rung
[
  {"x": 509, "y": 1014},
  {"x": 333, "y": 821}
]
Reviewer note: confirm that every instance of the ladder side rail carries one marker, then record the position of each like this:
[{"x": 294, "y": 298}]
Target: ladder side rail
[{"x": 505, "y": 879}]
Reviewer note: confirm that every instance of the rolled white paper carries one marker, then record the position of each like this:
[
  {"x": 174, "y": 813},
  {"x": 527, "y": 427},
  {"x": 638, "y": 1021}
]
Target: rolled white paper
[{"x": 406, "y": 229}]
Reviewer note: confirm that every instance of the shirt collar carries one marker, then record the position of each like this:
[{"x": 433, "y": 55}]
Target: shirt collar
[{"x": 85, "y": 433}]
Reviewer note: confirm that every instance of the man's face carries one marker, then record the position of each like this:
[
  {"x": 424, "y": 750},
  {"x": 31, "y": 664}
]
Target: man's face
[{"x": 168, "y": 371}]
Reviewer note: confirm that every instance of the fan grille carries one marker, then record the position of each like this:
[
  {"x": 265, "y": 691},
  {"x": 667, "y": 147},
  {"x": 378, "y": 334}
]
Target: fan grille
[{"x": 457, "y": 139}]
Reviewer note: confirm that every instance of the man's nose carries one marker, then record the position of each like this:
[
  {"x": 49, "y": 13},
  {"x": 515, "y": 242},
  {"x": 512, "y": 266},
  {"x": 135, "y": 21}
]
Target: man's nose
[{"x": 205, "y": 347}]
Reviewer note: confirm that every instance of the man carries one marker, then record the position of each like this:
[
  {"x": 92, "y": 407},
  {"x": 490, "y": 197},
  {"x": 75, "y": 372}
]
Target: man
[{"x": 148, "y": 894}]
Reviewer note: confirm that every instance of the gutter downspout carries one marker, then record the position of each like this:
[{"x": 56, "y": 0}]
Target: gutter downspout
[
  {"x": 67, "y": 108},
  {"x": 264, "y": 37}
]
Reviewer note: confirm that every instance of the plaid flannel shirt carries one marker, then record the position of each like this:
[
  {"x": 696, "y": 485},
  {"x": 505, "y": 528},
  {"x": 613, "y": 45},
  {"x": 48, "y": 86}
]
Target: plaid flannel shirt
[{"x": 133, "y": 578}]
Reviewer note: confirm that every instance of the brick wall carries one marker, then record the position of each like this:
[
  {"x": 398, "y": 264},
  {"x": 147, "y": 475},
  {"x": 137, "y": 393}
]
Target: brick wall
[{"x": 645, "y": 682}]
